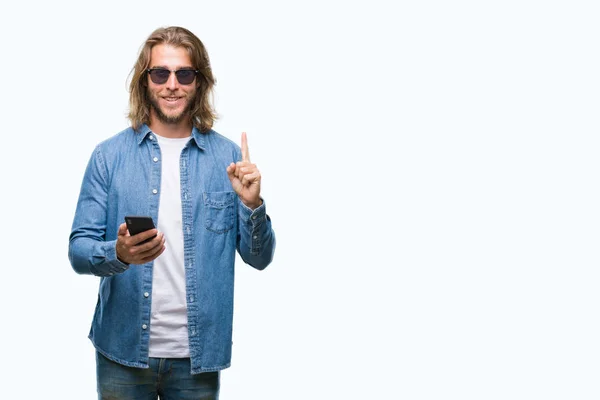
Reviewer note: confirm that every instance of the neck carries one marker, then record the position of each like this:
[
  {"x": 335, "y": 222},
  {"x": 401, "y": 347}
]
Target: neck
[{"x": 170, "y": 130}]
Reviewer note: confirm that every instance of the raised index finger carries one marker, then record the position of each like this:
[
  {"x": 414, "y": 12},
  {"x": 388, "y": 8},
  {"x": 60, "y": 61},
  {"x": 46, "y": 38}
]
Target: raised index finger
[{"x": 245, "y": 152}]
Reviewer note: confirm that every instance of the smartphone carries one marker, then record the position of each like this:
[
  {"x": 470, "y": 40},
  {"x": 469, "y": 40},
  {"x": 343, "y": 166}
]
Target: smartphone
[{"x": 137, "y": 224}]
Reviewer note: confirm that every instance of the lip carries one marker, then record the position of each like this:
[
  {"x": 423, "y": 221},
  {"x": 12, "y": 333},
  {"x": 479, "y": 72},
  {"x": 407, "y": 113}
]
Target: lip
[{"x": 171, "y": 99}]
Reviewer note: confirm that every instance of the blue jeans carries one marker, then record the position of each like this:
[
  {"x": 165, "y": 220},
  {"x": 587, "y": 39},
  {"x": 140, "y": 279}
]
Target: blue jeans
[{"x": 169, "y": 378}]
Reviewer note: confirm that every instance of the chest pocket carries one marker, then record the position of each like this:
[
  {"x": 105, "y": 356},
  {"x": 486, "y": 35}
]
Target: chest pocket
[{"x": 219, "y": 211}]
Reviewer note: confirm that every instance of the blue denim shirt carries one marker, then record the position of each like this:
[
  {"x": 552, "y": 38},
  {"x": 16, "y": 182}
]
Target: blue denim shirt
[{"x": 123, "y": 178}]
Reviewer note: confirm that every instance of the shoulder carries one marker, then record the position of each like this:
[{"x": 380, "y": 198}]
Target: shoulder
[
  {"x": 221, "y": 139},
  {"x": 118, "y": 142},
  {"x": 219, "y": 142}
]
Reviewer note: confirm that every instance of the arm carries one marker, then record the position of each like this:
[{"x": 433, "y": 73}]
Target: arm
[
  {"x": 89, "y": 252},
  {"x": 256, "y": 238}
]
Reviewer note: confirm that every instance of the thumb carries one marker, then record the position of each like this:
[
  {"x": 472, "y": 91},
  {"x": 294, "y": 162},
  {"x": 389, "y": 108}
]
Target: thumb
[
  {"x": 230, "y": 172},
  {"x": 122, "y": 229}
]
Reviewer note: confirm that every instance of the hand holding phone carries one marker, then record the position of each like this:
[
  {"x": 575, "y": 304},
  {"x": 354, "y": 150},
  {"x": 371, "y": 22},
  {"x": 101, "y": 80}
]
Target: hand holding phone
[{"x": 128, "y": 250}]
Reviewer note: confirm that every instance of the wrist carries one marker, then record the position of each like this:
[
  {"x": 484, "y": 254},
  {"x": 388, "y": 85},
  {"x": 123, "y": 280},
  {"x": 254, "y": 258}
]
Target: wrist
[
  {"x": 119, "y": 258},
  {"x": 254, "y": 204}
]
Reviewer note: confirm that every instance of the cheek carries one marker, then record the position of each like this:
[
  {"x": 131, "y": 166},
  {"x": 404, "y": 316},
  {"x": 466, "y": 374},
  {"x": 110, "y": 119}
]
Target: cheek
[
  {"x": 191, "y": 93},
  {"x": 151, "y": 92}
]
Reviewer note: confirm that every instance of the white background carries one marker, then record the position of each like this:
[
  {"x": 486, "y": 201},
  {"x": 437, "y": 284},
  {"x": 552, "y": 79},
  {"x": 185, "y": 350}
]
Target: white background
[{"x": 430, "y": 167}]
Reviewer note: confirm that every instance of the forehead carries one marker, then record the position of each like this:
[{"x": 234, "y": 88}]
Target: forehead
[{"x": 165, "y": 55}]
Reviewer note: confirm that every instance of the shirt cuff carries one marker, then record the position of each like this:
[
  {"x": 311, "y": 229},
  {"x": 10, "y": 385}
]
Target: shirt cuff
[
  {"x": 253, "y": 217},
  {"x": 108, "y": 264}
]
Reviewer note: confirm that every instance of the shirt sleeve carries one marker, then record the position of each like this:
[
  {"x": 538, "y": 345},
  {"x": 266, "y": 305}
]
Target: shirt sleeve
[
  {"x": 256, "y": 240},
  {"x": 89, "y": 252}
]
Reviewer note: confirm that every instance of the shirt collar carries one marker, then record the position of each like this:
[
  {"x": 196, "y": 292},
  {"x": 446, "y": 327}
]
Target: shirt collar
[
  {"x": 197, "y": 136},
  {"x": 142, "y": 132}
]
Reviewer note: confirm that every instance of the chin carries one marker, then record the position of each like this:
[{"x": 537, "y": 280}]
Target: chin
[{"x": 172, "y": 114}]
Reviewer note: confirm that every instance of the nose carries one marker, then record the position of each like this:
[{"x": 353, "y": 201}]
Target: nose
[{"x": 172, "y": 83}]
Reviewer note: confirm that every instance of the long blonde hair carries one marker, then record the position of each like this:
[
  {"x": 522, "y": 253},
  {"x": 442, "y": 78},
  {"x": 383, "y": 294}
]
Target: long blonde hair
[{"x": 202, "y": 112}]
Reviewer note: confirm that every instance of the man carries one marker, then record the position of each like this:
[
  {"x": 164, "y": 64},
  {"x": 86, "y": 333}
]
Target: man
[{"x": 163, "y": 321}]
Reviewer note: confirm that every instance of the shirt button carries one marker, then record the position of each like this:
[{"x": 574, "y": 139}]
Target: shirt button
[
  {"x": 254, "y": 237},
  {"x": 254, "y": 217},
  {"x": 155, "y": 159},
  {"x": 151, "y": 137},
  {"x": 144, "y": 326},
  {"x": 154, "y": 191},
  {"x": 146, "y": 294}
]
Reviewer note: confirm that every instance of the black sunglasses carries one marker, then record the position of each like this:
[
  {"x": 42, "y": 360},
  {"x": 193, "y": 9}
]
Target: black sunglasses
[{"x": 161, "y": 75}]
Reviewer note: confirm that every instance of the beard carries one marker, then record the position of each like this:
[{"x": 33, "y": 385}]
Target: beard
[{"x": 169, "y": 119}]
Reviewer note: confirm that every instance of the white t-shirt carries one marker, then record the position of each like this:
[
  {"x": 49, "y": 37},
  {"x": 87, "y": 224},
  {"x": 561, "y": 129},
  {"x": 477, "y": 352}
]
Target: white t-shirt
[{"x": 168, "y": 321}]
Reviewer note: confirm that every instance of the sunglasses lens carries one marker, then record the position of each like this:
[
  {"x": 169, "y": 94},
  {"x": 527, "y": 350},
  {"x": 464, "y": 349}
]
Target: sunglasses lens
[
  {"x": 185, "y": 76},
  {"x": 159, "y": 76}
]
